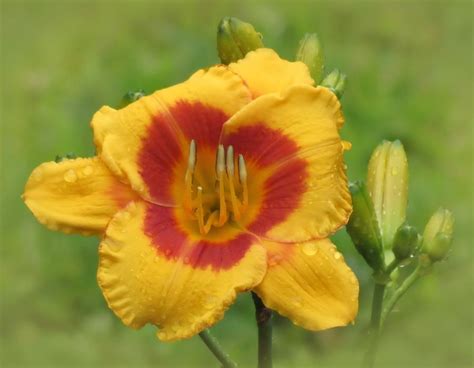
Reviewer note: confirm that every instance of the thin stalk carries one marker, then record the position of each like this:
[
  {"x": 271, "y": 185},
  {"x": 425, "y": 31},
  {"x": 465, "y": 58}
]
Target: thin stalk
[
  {"x": 216, "y": 349},
  {"x": 409, "y": 281},
  {"x": 263, "y": 316},
  {"x": 377, "y": 303}
]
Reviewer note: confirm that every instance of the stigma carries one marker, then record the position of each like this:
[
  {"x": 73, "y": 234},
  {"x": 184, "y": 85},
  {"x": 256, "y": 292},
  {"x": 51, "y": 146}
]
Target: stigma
[{"x": 227, "y": 200}]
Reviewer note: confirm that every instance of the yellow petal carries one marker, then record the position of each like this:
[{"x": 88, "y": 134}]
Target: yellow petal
[
  {"x": 78, "y": 195},
  {"x": 265, "y": 72},
  {"x": 310, "y": 284},
  {"x": 148, "y": 282},
  {"x": 143, "y": 142},
  {"x": 298, "y": 187}
]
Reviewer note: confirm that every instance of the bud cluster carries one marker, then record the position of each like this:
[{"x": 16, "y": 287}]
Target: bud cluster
[{"x": 378, "y": 226}]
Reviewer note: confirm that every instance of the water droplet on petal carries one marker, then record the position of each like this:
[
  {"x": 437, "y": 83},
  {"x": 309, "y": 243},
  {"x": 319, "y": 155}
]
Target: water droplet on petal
[
  {"x": 310, "y": 249},
  {"x": 38, "y": 175},
  {"x": 394, "y": 172},
  {"x": 88, "y": 170},
  {"x": 337, "y": 255},
  {"x": 70, "y": 176},
  {"x": 210, "y": 302}
]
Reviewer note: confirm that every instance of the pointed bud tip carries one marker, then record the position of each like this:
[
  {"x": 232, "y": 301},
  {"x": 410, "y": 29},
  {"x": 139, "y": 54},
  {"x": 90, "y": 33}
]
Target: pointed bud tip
[
  {"x": 335, "y": 81},
  {"x": 310, "y": 52},
  {"x": 438, "y": 234},
  {"x": 235, "y": 39}
]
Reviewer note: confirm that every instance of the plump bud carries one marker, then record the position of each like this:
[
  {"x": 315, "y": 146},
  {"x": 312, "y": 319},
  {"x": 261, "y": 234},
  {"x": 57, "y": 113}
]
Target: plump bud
[
  {"x": 387, "y": 183},
  {"x": 235, "y": 39},
  {"x": 406, "y": 242},
  {"x": 438, "y": 235},
  {"x": 310, "y": 52},
  {"x": 132, "y": 96},
  {"x": 363, "y": 228},
  {"x": 336, "y": 81}
]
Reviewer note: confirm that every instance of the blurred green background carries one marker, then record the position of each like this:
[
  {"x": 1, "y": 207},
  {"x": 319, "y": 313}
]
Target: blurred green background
[{"x": 410, "y": 77}]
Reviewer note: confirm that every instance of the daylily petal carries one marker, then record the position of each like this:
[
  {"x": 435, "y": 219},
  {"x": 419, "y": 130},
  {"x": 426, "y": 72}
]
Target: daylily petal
[
  {"x": 78, "y": 195},
  {"x": 296, "y": 175},
  {"x": 151, "y": 272},
  {"x": 143, "y": 142},
  {"x": 265, "y": 72},
  {"x": 310, "y": 284}
]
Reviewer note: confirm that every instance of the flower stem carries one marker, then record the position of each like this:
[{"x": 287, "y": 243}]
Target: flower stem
[
  {"x": 263, "y": 315},
  {"x": 409, "y": 281},
  {"x": 377, "y": 303},
  {"x": 216, "y": 349}
]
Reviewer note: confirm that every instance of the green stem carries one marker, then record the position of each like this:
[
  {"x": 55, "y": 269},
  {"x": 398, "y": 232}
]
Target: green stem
[
  {"x": 216, "y": 349},
  {"x": 377, "y": 303},
  {"x": 409, "y": 281},
  {"x": 391, "y": 267},
  {"x": 263, "y": 315}
]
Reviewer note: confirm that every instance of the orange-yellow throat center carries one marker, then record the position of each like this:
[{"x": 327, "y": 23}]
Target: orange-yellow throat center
[{"x": 227, "y": 200}]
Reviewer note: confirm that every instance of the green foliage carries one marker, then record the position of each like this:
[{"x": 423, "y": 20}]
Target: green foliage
[{"x": 62, "y": 61}]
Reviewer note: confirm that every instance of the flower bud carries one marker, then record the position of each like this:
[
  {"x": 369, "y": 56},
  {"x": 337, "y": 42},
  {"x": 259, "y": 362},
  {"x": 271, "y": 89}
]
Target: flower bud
[
  {"x": 131, "y": 96},
  {"x": 310, "y": 52},
  {"x": 363, "y": 228},
  {"x": 438, "y": 235},
  {"x": 235, "y": 39},
  {"x": 336, "y": 81},
  {"x": 387, "y": 183},
  {"x": 405, "y": 242}
]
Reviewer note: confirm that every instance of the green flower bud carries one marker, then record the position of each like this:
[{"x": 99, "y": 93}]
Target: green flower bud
[
  {"x": 387, "y": 183},
  {"x": 310, "y": 52},
  {"x": 235, "y": 39},
  {"x": 336, "y": 81},
  {"x": 406, "y": 242},
  {"x": 131, "y": 96},
  {"x": 363, "y": 228},
  {"x": 438, "y": 235}
]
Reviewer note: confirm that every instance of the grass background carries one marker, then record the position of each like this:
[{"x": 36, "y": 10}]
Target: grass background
[{"x": 410, "y": 77}]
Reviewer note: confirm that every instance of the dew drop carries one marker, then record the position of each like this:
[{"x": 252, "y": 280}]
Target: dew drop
[
  {"x": 274, "y": 260},
  {"x": 297, "y": 303},
  {"x": 353, "y": 280},
  {"x": 394, "y": 172},
  {"x": 337, "y": 255},
  {"x": 88, "y": 170},
  {"x": 70, "y": 176},
  {"x": 210, "y": 302},
  {"x": 38, "y": 175},
  {"x": 310, "y": 249}
]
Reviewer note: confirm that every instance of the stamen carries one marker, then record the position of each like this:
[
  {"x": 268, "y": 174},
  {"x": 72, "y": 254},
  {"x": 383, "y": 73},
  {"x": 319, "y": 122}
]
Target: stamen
[
  {"x": 200, "y": 211},
  {"x": 230, "y": 177},
  {"x": 243, "y": 181},
  {"x": 188, "y": 178},
  {"x": 220, "y": 177}
]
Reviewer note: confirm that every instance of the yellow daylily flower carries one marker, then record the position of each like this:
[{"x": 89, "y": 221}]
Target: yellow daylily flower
[{"x": 230, "y": 181}]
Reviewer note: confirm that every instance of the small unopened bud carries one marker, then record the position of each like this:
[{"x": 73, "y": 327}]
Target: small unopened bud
[
  {"x": 336, "y": 81},
  {"x": 387, "y": 183},
  {"x": 235, "y": 39},
  {"x": 405, "y": 242},
  {"x": 363, "y": 228},
  {"x": 131, "y": 96},
  {"x": 438, "y": 235},
  {"x": 310, "y": 52}
]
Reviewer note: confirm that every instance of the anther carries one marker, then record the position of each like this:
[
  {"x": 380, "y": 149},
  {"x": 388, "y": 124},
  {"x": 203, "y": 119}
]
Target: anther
[
  {"x": 220, "y": 168},
  {"x": 188, "y": 179},
  {"x": 243, "y": 180},
  {"x": 230, "y": 177}
]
